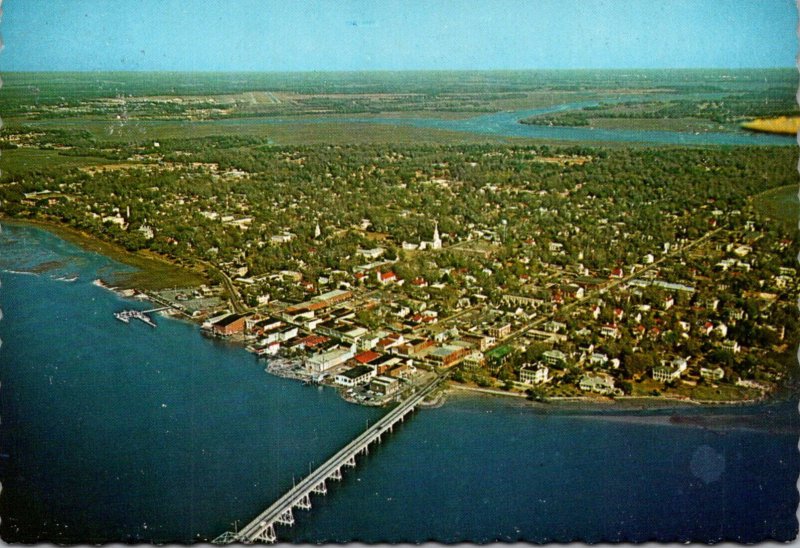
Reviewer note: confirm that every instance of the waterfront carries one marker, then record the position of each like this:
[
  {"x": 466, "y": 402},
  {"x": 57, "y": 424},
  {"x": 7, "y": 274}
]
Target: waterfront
[{"x": 116, "y": 431}]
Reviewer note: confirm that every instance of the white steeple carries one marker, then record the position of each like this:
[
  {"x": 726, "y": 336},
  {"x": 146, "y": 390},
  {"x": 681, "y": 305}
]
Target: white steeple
[{"x": 437, "y": 242}]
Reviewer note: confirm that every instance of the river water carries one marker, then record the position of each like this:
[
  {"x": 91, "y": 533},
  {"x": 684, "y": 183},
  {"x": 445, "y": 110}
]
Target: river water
[
  {"x": 507, "y": 124},
  {"x": 122, "y": 432}
]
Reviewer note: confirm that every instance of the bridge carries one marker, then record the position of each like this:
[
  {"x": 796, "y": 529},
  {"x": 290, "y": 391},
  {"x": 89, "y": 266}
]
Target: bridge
[{"x": 262, "y": 528}]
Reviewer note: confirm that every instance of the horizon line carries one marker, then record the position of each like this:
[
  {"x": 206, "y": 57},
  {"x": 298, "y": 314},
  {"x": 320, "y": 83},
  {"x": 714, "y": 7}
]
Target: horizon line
[{"x": 364, "y": 71}]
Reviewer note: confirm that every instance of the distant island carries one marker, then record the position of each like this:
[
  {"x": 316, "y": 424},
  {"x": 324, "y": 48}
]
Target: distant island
[{"x": 787, "y": 125}]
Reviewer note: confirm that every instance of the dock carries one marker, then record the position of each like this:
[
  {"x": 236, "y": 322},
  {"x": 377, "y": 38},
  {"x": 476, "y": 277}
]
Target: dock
[{"x": 141, "y": 315}]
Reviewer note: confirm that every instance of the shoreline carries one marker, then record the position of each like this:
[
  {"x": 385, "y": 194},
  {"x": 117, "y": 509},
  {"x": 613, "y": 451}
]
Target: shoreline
[
  {"x": 148, "y": 265},
  {"x": 151, "y": 269},
  {"x": 632, "y": 403}
]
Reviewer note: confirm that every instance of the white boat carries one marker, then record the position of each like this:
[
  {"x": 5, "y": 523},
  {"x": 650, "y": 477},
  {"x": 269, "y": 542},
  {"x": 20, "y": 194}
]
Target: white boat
[{"x": 122, "y": 316}]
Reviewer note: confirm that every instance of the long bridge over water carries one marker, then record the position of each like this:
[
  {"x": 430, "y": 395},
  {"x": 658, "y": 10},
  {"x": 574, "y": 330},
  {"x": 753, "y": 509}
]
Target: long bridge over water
[{"x": 262, "y": 528}]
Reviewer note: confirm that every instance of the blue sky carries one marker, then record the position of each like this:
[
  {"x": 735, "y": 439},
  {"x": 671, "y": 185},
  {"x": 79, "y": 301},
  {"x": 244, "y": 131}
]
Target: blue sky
[{"x": 287, "y": 35}]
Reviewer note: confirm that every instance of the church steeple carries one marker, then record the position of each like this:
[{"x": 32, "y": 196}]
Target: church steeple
[{"x": 437, "y": 241}]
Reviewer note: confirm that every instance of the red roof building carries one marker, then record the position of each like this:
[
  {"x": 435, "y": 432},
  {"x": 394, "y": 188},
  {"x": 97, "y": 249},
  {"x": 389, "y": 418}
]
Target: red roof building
[
  {"x": 366, "y": 357},
  {"x": 386, "y": 277}
]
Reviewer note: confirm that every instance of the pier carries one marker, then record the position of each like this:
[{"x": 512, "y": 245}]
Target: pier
[
  {"x": 126, "y": 315},
  {"x": 262, "y": 528}
]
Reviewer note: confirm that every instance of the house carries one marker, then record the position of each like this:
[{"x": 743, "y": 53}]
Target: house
[
  {"x": 371, "y": 253},
  {"x": 610, "y": 330},
  {"x": 501, "y": 331},
  {"x": 670, "y": 370},
  {"x": 536, "y": 373},
  {"x": 554, "y": 326},
  {"x": 601, "y": 384},
  {"x": 617, "y": 273},
  {"x": 419, "y": 282},
  {"x": 360, "y": 374},
  {"x": 282, "y": 238},
  {"x": 666, "y": 373},
  {"x": 474, "y": 360},
  {"x": 386, "y": 277},
  {"x": 554, "y": 357},
  {"x": 730, "y": 346},
  {"x": 715, "y": 374}
]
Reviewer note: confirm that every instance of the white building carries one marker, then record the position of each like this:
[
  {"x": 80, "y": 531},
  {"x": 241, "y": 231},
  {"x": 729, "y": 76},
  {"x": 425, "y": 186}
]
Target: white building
[
  {"x": 537, "y": 373},
  {"x": 319, "y": 363},
  {"x": 361, "y": 374},
  {"x": 602, "y": 384}
]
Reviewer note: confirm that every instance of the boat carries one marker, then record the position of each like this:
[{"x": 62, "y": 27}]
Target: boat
[
  {"x": 126, "y": 315},
  {"x": 122, "y": 316}
]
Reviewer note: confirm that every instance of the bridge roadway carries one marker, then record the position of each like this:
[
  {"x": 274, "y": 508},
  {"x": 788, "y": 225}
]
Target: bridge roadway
[{"x": 262, "y": 528}]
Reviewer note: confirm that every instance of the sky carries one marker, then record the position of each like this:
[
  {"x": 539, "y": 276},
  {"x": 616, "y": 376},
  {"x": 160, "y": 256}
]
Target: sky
[{"x": 308, "y": 35}]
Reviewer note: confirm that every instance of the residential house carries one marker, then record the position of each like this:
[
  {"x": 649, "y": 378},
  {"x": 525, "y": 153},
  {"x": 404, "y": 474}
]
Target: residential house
[{"x": 536, "y": 373}]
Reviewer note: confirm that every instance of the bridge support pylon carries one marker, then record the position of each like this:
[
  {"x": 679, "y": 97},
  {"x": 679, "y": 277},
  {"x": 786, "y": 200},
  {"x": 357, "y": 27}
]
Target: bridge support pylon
[
  {"x": 351, "y": 462},
  {"x": 336, "y": 475},
  {"x": 286, "y": 518},
  {"x": 304, "y": 503},
  {"x": 320, "y": 488},
  {"x": 267, "y": 535}
]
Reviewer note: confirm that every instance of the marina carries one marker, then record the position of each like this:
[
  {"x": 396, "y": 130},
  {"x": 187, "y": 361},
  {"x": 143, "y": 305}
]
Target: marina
[{"x": 125, "y": 316}]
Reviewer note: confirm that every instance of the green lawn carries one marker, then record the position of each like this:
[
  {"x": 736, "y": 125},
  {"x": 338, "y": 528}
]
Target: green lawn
[{"x": 782, "y": 205}]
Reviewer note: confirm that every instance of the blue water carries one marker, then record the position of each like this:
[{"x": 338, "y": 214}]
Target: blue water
[
  {"x": 124, "y": 432},
  {"x": 507, "y": 124},
  {"x": 114, "y": 431}
]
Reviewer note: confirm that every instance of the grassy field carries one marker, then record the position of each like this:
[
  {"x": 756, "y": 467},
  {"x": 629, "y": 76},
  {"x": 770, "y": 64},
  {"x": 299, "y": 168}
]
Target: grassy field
[
  {"x": 289, "y": 133},
  {"x": 26, "y": 159},
  {"x": 782, "y": 205}
]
